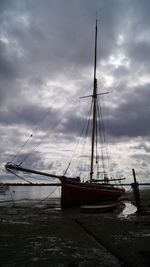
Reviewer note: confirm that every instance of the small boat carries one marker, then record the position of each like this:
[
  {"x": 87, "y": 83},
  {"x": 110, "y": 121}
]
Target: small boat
[
  {"x": 100, "y": 208},
  {"x": 75, "y": 192}
]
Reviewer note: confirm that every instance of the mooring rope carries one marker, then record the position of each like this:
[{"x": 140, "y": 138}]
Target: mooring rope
[
  {"x": 40, "y": 201},
  {"x": 19, "y": 176}
]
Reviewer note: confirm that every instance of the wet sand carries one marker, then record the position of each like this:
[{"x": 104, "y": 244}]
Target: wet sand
[{"x": 41, "y": 234}]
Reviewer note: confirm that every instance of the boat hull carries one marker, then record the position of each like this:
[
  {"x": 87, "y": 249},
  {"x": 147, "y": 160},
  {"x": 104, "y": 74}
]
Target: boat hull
[{"x": 76, "y": 193}]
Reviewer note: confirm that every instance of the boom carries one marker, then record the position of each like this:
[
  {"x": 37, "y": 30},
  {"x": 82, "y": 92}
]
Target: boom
[{"x": 11, "y": 166}]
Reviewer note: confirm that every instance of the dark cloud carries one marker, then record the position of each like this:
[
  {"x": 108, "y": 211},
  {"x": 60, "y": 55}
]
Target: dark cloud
[
  {"x": 121, "y": 72},
  {"x": 46, "y": 62},
  {"x": 139, "y": 51},
  {"x": 131, "y": 118},
  {"x": 6, "y": 64},
  {"x": 25, "y": 115}
]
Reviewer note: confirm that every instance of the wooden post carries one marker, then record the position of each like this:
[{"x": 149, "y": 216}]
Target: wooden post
[{"x": 135, "y": 187}]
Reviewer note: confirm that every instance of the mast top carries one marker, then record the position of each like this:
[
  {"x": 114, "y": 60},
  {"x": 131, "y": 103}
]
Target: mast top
[{"x": 95, "y": 54}]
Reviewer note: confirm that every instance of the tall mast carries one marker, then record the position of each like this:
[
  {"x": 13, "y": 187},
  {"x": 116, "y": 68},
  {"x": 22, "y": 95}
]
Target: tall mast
[{"x": 94, "y": 105}]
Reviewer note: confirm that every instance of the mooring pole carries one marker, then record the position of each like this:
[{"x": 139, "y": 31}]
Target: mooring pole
[{"x": 135, "y": 187}]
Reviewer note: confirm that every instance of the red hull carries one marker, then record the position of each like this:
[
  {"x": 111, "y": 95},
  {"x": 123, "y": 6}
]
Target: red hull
[{"x": 75, "y": 193}]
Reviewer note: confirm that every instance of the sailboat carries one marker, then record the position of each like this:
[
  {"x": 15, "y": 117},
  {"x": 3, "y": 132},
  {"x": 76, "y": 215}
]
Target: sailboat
[{"x": 75, "y": 192}]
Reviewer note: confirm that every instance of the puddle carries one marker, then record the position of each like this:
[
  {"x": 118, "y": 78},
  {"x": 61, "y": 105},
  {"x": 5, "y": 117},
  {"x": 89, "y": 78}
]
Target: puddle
[
  {"x": 58, "y": 209},
  {"x": 128, "y": 210}
]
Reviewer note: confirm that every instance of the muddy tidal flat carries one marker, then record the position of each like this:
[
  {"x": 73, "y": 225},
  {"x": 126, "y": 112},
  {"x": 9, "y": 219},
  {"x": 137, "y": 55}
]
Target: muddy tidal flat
[{"x": 40, "y": 234}]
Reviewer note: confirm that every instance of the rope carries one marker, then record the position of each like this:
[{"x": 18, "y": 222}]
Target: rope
[
  {"x": 72, "y": 72},
  {"x": 31, "y": 135},
  {"x": 81, "y": 136},
  {"x": 128, "y": 190},
  {"x": 12, "y": 198},
  {"x": 87, "y": 129},
  {"x": 31, "y": 184},
  {"x": 67, "y": 168},
  {"x": 28, "y": 139},
  {"x": 14, "y": 204},
  {"x": 19, "y": 150},
  {"x": 32, "y": 177},
  {"x": 44, "y": 198},
  {"x": 19, "y": 176},
  {"x": 54, "y": 128},
  {"x": 101, "y": 135},
  {"x": 96, "y": 138}
]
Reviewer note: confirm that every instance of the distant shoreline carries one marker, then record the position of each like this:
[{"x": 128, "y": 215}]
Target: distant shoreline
[
  {"x": 141, "y": 185},
  {"x": 37, "y": 184}
]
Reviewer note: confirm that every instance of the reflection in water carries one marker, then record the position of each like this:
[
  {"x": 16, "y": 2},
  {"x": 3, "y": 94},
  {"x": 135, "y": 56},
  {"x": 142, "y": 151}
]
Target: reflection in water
[
  {"x": 128, "y": 210},
  {"x": 30, "y": 192}
]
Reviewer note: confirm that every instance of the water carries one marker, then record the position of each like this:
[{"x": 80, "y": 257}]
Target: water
[
  {"x": 128, "y": 210},
  {"x": 36, "y": 193},
  {"x": 16, "y": 193}
]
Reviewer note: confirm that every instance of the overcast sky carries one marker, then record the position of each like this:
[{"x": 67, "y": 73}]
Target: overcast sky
[{"x": 46, "y": 64}]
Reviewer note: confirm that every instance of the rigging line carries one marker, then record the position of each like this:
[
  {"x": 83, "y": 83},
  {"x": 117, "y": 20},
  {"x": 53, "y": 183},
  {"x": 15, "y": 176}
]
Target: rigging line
[
  {"x": 102, "y": 123},
  {"x": 19, "y": 150},
  {"x": 39, "y": 179},
  {"x": 100, "y": 135},
  {"x": 81, "y": 136},
  {"x": 54, "y": 128},
  {"x": 103, "y": 131},
  {"x": 97, "y": 155},
  {"x": 87, "y": 129},
  {"x": 86, "y": 51},
  {"x": 67, "y": 168},
  {"x": 86, "y": 134},
  {"x": 12, "y": 198},
  {"x": 44, "y": 198},
  {"x": 19, "y": 176},
  {"x": 96, "y": 137},
  {"x": 38, "y": 126},
  {"x": 72, "y": 72},
  {"x": 31, "y": 135},
  {"x": 85, "y": 140},
  {"x": 104, "y": 137}
]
